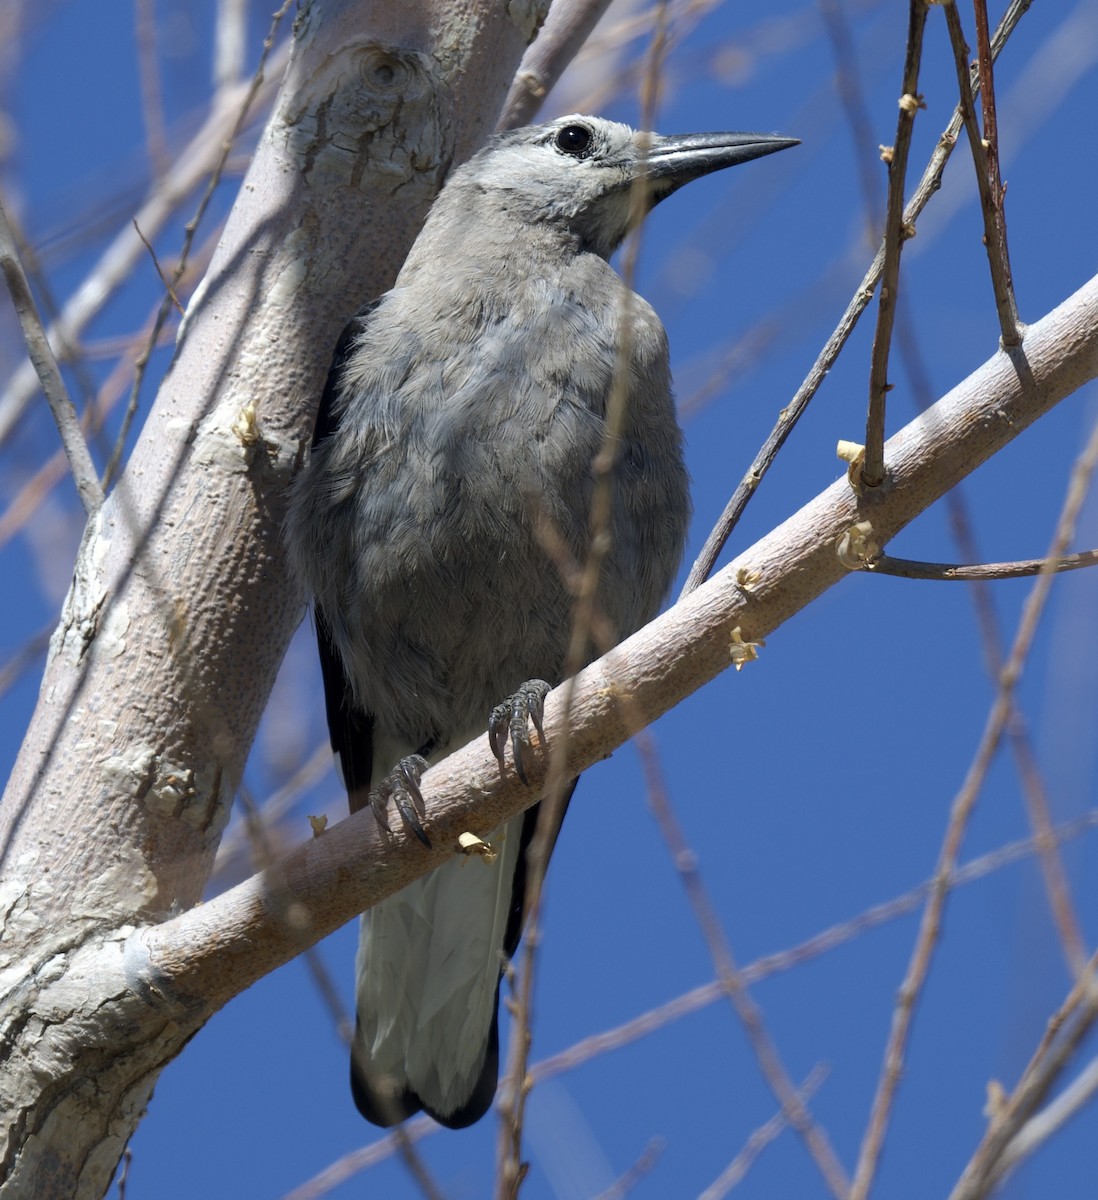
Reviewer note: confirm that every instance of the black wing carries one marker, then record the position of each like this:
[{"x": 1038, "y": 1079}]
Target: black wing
[{"x": 350, "y": 729}]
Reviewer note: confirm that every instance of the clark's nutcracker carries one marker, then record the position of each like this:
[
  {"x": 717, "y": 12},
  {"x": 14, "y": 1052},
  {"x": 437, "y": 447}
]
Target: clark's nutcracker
[{"x": 463, "y": 411}]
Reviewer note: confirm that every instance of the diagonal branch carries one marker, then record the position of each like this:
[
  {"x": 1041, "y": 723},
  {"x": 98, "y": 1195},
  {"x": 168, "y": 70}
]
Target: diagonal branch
[
  {"x": 224, "y": 946},
  {"x": 566, "y": 28},
  {"x": 994, "y": 214},
  {"x": 41, "y": 355},
  {"x": 896, "y": 232},
  {"x": 794, "y": 410},
  {"x": 985, "y": 158},
  {"x": 963, "y": 806}
]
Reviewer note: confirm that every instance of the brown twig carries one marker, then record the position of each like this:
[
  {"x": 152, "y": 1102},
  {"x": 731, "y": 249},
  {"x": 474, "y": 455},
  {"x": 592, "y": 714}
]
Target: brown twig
[
  {"x": 169, "y": 284},
  {"x": 737, "y": 1169},
  {"x": 190, "y": 229},
  {"x": 848, "y": 86},
  {"x": 322, "y": 980},
  {"x": 1064, "y": 1033},
  {"x": 995, "y": 237},
  {"x": 49, "y": 373},
  {"x": 1063, "y": 911},
  {"x": 909, "y": 568},
  {"x": 963, "y": 805},
  {"x": 896, "y": 232},
  {"x": 732, "y": 982},
  {"x": 791, "y": 414},
  {"x": 152, "y": 98},
  {"x": 511, "y": 1169},
  {"x": 1039, "y": 1128},
  {"x": 654, "y": 1019},
  {"x": 628, "y": 1181}
]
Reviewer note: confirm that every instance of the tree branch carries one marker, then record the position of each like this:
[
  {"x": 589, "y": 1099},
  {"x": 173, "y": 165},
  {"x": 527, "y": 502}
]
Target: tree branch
[
  {"x": 896, "y": 232},
  {"x": 49, "y": 374},
  {"x": 223, "y": 946}
]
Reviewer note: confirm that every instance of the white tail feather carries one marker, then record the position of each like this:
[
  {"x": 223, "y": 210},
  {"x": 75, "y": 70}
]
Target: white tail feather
[{"x": 427, "y": 968}]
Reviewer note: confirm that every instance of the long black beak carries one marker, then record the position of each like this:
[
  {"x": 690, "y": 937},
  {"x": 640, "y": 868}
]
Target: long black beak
[{"x": 671, "y": 161}]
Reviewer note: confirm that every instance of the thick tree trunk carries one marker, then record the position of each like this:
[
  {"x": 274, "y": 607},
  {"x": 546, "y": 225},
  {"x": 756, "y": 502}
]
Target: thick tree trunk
[{"x": 180, "y": 610}]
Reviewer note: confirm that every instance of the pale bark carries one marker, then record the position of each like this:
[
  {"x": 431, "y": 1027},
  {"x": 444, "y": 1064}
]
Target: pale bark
[{"x": 181, "y": 609}]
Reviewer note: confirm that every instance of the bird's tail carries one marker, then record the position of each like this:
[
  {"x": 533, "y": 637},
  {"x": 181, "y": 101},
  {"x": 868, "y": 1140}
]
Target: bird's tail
[{"x": 427, "y": 985}]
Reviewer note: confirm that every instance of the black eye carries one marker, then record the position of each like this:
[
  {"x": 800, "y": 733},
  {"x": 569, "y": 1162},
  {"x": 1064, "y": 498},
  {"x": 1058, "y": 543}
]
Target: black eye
[{"x": 575, "y": 140}]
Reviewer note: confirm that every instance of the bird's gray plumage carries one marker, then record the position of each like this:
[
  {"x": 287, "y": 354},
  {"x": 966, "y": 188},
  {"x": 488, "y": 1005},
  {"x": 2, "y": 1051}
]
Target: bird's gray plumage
[{"x": 465, "y": 407}]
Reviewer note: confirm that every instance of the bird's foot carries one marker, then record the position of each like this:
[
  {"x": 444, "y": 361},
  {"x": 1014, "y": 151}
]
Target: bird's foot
[
  {"x": 512, "y": 719},
  {"x": 401, "y": 786}
]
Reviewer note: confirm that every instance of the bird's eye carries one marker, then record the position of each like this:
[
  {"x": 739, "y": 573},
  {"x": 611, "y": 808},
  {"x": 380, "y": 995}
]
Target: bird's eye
[{"x": 575, "y": 140}]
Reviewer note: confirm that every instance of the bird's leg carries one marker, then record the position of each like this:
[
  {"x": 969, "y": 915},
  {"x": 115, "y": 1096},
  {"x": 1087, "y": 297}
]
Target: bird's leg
[
  {"x": 401, "y": 786},
  {"x": 513, "y": 717}
]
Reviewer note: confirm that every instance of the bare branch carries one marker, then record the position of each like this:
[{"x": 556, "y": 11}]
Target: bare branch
[
  {"x": 348, "y": 869},
  {"x": 963, "y": 806},
  {"x": 1065, "y": 1032},
  {"x": 152, "y": 97},
  {"x": 1038, "y": 1129},
  {"x": 985, "y": 158},
  {"x": 565, "y": 30},
  {"x": 909, "y": 568},
  {"x": 41, "y": 355},
  {"x": 737, "y": 1169},
  {"x": 896, "y": 232},
  {"x": 1066, "y": 918},
  {"x": 192, "y": 165},
  {"x": 793, "y": 1108},
  {"x": 791, "y": 414},
  {"x": 627, "y": 1182},
  {"x": 994, "y": 214},
  {"x": 645, "y": 1024},
  {"x": 585, "y": 622}
]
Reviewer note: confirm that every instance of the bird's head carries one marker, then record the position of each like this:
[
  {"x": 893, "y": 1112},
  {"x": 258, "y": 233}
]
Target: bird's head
[{"x": 597, "y": 178}]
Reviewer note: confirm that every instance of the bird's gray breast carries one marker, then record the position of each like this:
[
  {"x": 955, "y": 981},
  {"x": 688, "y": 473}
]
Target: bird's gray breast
[{"x": 460, "y": 490}]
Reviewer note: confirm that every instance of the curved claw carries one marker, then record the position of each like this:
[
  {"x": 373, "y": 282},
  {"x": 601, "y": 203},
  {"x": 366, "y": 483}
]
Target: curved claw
[
  {"x": 510, "y": 718},
  {"x": 498, "y": 720},
  {"x": 401, "y": 786}
]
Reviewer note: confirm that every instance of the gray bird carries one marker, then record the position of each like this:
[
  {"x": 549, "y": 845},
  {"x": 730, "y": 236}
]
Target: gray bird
[{"x": 463, "y": 408}]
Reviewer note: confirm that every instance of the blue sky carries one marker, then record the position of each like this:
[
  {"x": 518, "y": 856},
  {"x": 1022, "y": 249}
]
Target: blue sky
[{"x": 815, "y": 783}]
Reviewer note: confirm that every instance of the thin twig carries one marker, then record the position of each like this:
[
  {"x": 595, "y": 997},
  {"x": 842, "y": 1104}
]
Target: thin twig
[
  {"x": 896, "y": 233},
  {"x": 25, "y": 503},
  {"x": 1053, "y": 1117},
  {"x": 511, "y": 1170},
  {"x": 848, "y": 85},
  {"x": 961, "y": 812},
  {"x": 26, "y": 656},
  {"x": 1066, "y": 919},
  {"x": 654, "y": 1019},
  {"x": 152, "y": 98},
  {"x": 994, "y": 215},
  {"x": 991, "y": 196},
  {"x": 627, "y": 1182},
  {"x": 115, "y": 264},
  {"x": 124, "y": 1175},
  {"x": 169, "y": 284},
  {"x": 49, "y": 373},
  {"x": 732, "y": 982},
  {"x": 737, "y": 1169},
  {"x": 791, "y": 414},
  {"x": 191, "y": 228},
  {"x": 322, "y": 980},
  {"x": 909, "y": 568},
  {"x": 1064, "y": 1033}
]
